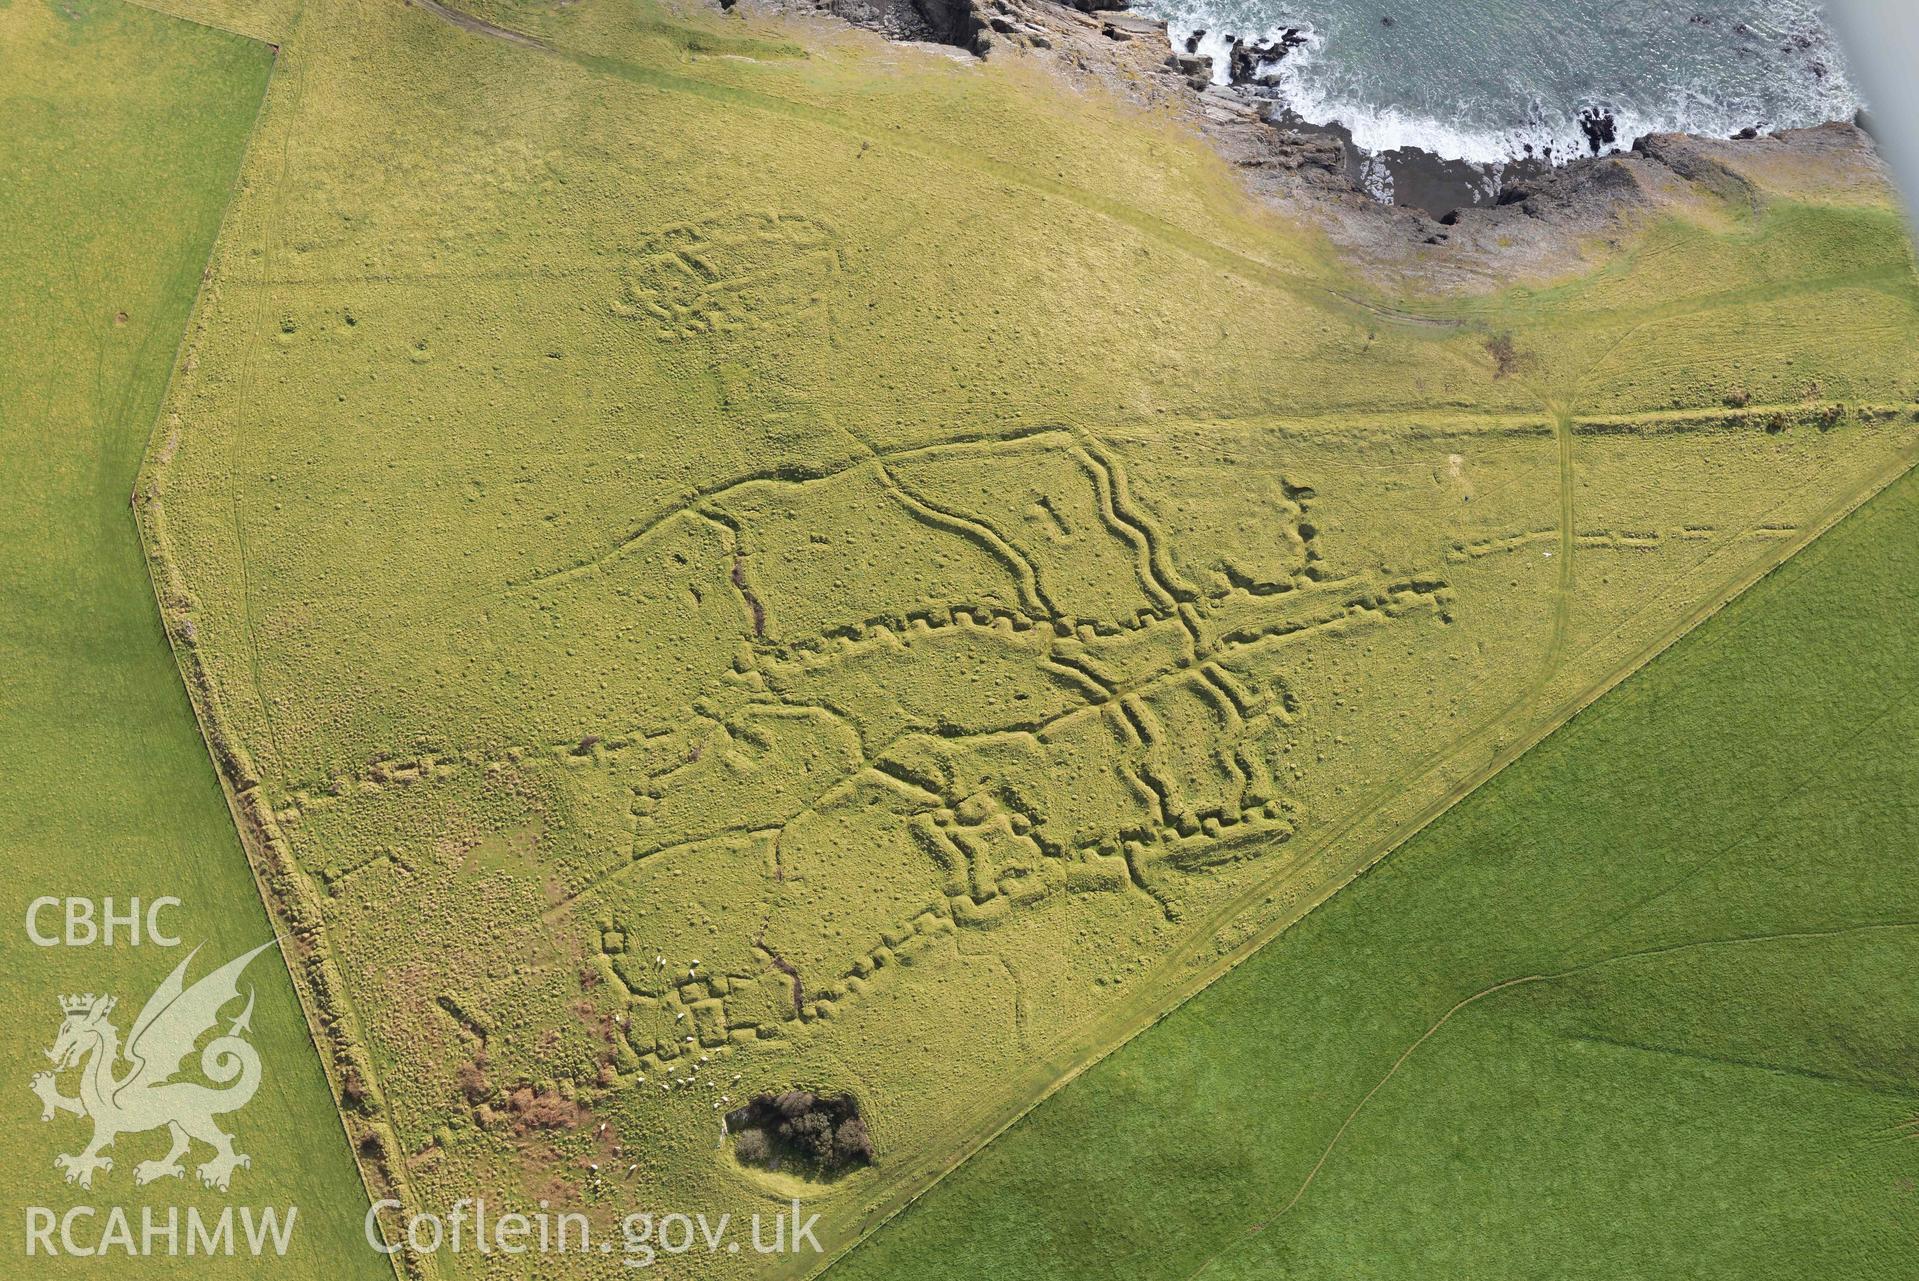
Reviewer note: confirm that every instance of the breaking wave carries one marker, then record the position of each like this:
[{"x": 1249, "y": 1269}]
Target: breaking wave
[{"x": 1489, "y": 82}]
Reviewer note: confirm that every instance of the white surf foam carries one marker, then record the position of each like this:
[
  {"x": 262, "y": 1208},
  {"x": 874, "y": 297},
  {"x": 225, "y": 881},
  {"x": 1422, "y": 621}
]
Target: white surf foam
[{"x": 1780, "y": 94}]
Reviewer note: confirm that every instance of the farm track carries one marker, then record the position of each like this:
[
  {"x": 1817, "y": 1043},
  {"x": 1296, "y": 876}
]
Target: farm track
[
  {"x": 1254, "y": 270},
  {"x": 1063, "y": 1064},
  {"x": 1506, "y": 985},
  {"x": 1150, "y": 1011},
  {"x": 480, "y": 26},
  {"x": 170, "y": 111},
  {"x": 212, "y": 719}
]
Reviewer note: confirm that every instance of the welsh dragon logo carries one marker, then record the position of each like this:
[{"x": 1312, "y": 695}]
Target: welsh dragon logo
[{"x": 145, "y": 1095}]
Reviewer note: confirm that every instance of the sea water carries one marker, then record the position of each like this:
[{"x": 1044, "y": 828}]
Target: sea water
[{"x": 1493, "y": 81}]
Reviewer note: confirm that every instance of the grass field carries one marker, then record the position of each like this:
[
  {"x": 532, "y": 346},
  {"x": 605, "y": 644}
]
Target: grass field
[
  {"x": 1639, "y": 1000},
  {"x": 717, "y": 556},
  {"x": 124, "y": 133}
]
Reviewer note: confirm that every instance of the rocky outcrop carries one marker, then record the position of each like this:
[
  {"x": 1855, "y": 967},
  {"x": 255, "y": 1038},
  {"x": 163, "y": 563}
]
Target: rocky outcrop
[
  {"x": 1253, "y": 62},
  {"x": 1532, "y": 219},
  {"x": 964, "y": 24},
  {"x": 1600, "y": 131}
]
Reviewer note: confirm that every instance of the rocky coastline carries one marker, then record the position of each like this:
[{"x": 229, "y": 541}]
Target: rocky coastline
[{"x": 1448, "y": 225}]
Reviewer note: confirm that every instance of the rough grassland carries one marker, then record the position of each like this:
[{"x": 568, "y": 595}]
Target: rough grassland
[
  {"x": 123, "y": 133},
  {"x": 717, "y": 556},
  {"x": 1653, "y": 982}
]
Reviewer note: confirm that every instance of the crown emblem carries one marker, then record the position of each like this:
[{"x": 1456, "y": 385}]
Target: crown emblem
[{"x": 171, "y": 1025}]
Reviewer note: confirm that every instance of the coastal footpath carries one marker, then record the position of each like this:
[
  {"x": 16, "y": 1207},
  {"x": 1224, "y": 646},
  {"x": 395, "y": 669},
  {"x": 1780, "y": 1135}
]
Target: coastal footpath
[{"x": 1458, "y": 230}]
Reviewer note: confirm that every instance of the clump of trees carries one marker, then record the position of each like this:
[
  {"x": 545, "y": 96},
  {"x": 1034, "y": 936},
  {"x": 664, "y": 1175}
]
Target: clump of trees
[{"x": 802, "y": 1131}]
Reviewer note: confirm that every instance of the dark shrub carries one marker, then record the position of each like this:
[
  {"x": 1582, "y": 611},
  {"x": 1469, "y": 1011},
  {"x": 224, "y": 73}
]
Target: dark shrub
[
  {"x": 798, "y": 1129},
  {"x": 750, "y": 1147},
  {"x": 851, "y": 1146}
]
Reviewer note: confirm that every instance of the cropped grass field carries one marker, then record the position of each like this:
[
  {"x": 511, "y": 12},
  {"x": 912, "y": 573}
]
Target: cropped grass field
[
  {"x": 1638, "y": 1005},
  {"x": 124, "y": 132},
  {"x": 717, "y": 557}
]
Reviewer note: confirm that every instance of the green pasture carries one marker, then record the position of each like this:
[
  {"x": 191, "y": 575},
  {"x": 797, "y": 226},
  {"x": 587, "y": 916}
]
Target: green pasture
[
  {"x": 719, "y": 550},
  {"x": 1634, "y": 1008},
  {"x": 124, "y": 133}
]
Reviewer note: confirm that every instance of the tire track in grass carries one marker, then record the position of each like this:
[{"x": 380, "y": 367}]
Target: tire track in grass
[
  {"x": 1149, "y": 1009},
  {"x": 247, "y": 385},
  {"x": 1505, "y": 985},
  {"x": 1254, "y": 270}
]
